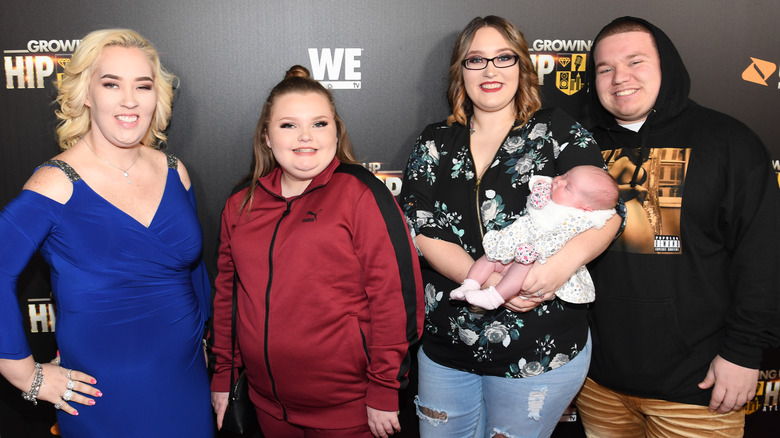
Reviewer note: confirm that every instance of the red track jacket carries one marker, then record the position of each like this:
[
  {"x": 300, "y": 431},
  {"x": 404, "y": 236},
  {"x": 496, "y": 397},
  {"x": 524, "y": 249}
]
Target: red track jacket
[{"x": 329, "y": 298}]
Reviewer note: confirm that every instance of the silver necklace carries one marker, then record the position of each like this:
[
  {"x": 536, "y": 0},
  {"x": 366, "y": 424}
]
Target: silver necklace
[{"x": 124, "y": 171}]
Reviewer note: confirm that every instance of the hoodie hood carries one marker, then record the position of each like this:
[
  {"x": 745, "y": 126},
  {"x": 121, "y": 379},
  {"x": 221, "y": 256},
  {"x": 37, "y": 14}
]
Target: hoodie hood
[{"x": 675, "y": 82}]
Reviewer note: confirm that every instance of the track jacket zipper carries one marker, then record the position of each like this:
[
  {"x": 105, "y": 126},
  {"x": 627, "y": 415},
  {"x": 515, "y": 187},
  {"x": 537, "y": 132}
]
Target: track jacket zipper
[
  {"x": 268, "y": 304},
  {"x": 266, "y": 323}
]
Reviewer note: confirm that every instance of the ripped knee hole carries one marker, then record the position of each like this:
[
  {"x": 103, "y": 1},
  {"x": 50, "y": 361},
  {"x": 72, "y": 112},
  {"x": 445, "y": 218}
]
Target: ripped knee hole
[{"x": 434, "y": 415}]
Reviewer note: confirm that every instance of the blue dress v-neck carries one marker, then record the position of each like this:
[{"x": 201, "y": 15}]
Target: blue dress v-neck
[{"x": 131, "y": 305}]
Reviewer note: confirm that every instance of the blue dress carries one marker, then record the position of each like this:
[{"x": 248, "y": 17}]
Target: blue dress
[{"x": 131, "y": 305}]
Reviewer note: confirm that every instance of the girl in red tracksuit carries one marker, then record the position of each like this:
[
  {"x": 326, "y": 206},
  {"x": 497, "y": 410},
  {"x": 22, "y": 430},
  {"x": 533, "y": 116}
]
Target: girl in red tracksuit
[{"x": 328, "y": 282}]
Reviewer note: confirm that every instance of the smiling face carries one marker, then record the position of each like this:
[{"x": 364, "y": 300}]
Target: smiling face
[
  {"x": 302, "y": 136},
  {"x": 492, "y": 89},
  {"x": 628, "y": 75},
  {"x": 121, "y": 96}
]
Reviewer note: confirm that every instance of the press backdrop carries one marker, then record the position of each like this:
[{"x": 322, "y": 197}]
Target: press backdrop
[{"x": 387, "y": 64}]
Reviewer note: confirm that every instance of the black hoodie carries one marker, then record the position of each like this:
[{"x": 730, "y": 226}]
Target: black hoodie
[{"x": 696, "y": 272}]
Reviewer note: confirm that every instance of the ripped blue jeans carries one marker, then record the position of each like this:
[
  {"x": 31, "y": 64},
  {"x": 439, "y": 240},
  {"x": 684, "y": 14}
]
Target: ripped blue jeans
[{"x": 459, "y": 404}]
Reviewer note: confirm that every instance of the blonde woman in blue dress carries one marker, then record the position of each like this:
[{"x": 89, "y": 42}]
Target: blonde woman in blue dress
[{"x": 114, "y": 217}]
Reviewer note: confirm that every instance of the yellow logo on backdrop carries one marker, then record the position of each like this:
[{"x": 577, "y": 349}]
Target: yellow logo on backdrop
[
  {"x": 566, "y": 59},
  {"x": 570, "y": 74}
]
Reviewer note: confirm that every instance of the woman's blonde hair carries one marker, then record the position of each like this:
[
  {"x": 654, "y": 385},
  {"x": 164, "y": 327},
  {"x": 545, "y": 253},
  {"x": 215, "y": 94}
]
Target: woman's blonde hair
[
  {"x": 296, "y": 80},
  {"x": 527, "y": 98},
  {"x": 74, "y": 85}
]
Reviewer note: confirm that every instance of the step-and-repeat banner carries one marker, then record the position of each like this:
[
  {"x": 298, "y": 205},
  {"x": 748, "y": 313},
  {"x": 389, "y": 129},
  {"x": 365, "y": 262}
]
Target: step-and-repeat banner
[{"x": 386, "y": 62}]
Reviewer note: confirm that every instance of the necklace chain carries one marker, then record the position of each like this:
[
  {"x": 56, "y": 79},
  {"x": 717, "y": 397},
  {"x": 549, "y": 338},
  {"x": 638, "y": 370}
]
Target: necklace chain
[{"x": 124, "y": 171}]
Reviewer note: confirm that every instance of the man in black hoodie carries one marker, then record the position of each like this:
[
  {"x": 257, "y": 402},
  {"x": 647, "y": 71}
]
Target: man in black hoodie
[{"x": 687, "y": 298}]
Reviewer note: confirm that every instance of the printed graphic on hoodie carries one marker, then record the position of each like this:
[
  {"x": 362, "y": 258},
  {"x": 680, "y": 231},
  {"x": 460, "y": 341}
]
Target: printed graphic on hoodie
[{"x": 653, "y": 196}]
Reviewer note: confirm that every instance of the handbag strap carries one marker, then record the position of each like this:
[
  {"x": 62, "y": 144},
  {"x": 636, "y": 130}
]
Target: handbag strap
[{"x": 233, "y": 333}]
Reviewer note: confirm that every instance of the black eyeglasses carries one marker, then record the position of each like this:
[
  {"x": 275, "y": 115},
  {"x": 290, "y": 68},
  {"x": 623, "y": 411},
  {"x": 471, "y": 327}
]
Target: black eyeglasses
[{"x": 480, "y": 63}]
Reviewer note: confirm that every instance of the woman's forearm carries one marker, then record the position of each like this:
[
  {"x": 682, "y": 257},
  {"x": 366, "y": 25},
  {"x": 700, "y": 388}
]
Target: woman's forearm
[
  {"x": 19, "y": 372},
  {"x": 448, "y": 259}
]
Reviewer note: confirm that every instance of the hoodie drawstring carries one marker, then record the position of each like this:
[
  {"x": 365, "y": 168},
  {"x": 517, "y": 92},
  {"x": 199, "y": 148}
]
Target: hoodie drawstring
[{"x": 644, "y": 150}]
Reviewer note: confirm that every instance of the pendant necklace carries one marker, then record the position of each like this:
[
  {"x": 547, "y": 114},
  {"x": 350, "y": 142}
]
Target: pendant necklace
[{"x": 124, "y": 171}]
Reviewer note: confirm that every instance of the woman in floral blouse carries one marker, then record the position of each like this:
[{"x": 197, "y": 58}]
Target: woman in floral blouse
[{"x": 515, "y": 369}]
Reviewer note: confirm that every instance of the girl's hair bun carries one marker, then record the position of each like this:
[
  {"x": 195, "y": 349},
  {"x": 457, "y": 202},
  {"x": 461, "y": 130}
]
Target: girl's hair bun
[{"x": 297, "y": 71}]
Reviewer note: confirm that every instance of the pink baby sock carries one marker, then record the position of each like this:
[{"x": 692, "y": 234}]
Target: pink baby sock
[
  {"x": 467, "y": 285},
  {"x": 486, "y": 298}
]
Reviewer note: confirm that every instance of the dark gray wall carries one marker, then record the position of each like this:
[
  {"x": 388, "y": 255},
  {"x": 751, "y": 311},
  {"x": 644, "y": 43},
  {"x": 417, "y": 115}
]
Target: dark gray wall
[{"x": 228, "y": 54}]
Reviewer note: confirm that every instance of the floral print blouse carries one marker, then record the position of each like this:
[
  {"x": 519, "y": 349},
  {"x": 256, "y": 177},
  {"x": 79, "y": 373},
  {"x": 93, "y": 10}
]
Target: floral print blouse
[{"x": 443, "y": 199}]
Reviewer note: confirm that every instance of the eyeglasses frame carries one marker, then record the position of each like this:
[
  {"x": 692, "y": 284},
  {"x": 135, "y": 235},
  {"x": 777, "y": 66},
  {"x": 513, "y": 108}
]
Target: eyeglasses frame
[{"x": 489, "y": 60}]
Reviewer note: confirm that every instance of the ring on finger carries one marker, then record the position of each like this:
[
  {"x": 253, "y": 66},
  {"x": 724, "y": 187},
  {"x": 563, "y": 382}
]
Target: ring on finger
[
  {"x": 71, "y": 383},
  {"x": 69, "y": 371},
  {"x": 58, "y": 406},
  {"x": 67, "y": 395},
  {"x": 539, "y": 293}
]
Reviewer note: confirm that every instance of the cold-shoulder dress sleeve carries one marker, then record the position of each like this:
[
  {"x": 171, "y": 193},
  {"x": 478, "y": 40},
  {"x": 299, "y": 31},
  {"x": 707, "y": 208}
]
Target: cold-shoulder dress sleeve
[
  {"x": 200, "y": 276},
  {"x": 24, "y": 225}
]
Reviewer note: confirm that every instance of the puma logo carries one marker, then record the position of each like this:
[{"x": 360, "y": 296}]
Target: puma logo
[{"x": 313, "y": 215}]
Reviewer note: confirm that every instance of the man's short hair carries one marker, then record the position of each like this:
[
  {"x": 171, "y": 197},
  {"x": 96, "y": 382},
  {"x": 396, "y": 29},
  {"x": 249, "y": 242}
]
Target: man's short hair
[{"x": 623, "y": 26}]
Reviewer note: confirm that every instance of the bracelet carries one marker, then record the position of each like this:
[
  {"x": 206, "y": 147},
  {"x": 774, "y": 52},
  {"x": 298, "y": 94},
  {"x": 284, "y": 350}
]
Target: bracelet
[{"x": 36, "y": 385}]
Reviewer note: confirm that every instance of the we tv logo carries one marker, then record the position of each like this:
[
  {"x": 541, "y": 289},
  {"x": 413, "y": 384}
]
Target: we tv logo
[{"x": 327, "y": 66}]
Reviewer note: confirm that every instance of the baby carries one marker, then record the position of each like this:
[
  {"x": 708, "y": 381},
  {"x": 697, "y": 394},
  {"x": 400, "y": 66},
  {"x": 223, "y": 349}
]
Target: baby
[{"x": 558, "y": 209}]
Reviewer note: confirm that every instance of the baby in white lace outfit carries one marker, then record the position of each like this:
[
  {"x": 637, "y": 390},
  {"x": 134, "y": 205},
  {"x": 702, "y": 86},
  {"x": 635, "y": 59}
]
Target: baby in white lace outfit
[{"x": 558, "y": 209}]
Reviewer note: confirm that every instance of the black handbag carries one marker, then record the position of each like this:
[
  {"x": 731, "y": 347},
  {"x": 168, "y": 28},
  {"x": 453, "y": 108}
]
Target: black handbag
[{"x": 240, "y": 417}]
